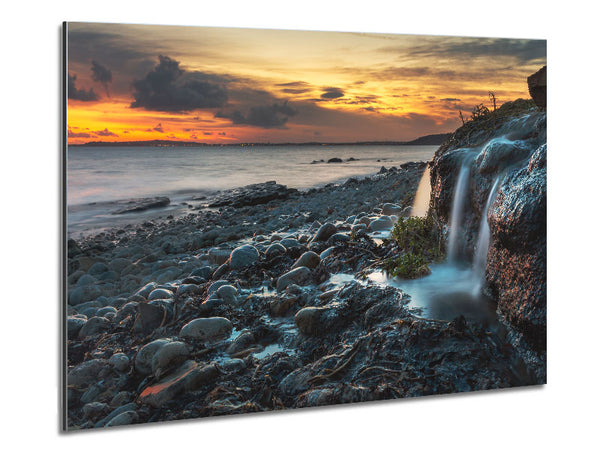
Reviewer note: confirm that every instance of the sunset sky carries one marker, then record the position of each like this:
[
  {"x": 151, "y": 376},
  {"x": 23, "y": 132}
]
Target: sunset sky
[{"x": 224, "y": 85}]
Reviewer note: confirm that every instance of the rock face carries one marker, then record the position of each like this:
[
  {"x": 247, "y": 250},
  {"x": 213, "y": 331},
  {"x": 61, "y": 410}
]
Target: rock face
[
  {"x": 253, "y": 194},
  {"x": 510, "y": 147},
  {"x": 516, "y": 270},
  {"x": 537, "y": 87}
]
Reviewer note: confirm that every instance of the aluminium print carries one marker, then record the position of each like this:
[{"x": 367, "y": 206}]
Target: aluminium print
[{"x": 259, "y": 220}]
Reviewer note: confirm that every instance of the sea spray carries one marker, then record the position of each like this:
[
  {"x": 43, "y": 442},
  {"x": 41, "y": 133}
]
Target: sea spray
[
  {"x": 421, "y": 203},
  {"x": 456, "y": 215},
  {"x": 483, "y": 242}
]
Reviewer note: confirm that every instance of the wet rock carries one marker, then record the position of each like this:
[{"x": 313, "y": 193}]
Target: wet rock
[
  {"x": 169, "y": 356},
  {"x": 243, "y": 256},
  {"x": 218, "y": 255},
  {"x": 129, "y": 407},
  {"x": 103, "y": 312},
  {"x": 334, "y": 160},
  {"x": 210, "y": 328},
  {"x": 274, "y": 250},
  {"x": 125, "y": 418},
  {"x": 324, "y": 232},
  {"x": 84, "y": 294},
  {"x": 142, "y": 204},
  {"x": 202, "y": 272},
  {"x": 308, "y": 320},
  {"x": 299, "y": 275},
  {"x": 189, "y": 377},
  {"x": 143, "y": 359},
  {"x": 94, "y": 326},
  {"x": 187, "y": 290},
  {"x": 145, "y": 290},
  {"x": 227, "y": 293},
  {"x": 233, "y": 365},
  {"x": 308, "y": 259},
  {"x": 244, "y": 340},
  {"x": 87, "y": 372},
  {"x": 98, "y": 268},
  {"x": 390, "y": 209},
  {"x": 381, "y": 224},
  {"x": 119, "y": 361},
  {"x": 74, "y": 325},
  {"x": 149, "y": 317},
  {"x": 253, "y": 194},
  {"x": 537, "y": 85},
  {"x": 85, "y": 280},
  {"x": 338, "y": 238},
  {"x": 215, "y": 286},
  {"x": 290, "y": 243},
  {"x": 157, "y": 294},
  {"x": 94, "y": 410}
]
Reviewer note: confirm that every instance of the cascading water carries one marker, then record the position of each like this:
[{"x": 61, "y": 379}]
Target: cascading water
[
  {"x": 483, "y": 243},
  {"x": 456, "y": 215},
  {"x": 421, "y": 203}
]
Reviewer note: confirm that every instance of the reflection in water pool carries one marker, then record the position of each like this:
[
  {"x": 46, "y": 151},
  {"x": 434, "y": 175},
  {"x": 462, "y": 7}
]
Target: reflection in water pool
[{"x": 445, "y": 294}]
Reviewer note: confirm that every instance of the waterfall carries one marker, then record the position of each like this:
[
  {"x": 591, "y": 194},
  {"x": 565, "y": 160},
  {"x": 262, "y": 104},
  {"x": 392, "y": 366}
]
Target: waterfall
[
  {"x": 456, "y": 215},
  {"x": 483, "y": 242},
  {"x": 421, "y": 203}
]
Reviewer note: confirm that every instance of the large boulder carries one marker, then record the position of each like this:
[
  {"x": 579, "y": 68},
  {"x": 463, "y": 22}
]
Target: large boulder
[
  {"x": 516, "y": 270},
  {"x": 537, "y": 87}
]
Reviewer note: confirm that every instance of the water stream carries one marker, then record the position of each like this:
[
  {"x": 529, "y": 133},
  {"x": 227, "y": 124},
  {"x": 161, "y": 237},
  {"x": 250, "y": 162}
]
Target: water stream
[{"x": 455, "y": 237}]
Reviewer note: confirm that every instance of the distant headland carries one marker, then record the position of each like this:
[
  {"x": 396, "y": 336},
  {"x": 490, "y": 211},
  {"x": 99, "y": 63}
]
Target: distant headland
[{"x": 431, "y": 139}]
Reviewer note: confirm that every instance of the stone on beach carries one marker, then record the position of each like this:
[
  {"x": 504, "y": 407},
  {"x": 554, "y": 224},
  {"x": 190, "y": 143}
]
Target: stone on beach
[
  {"x": 160, "y": 293},
  {"x": 324, "y": 232},
  {"x": 168, "y": 356},
  {"x": 243, "y": 256},
  {"x": 119, "y": 361},
  {"x": 308, "y": 259},
  {"x": 227, "y": 293},
  {"x": 143, "y": 359},
  {"x": 207, "y": 328},
  {"x": 390, "y": 209},
  {"x": 189, "y": 377},
  {"x": 299, "y": 275},
  {"x": 274, "y": 250},
  {"x": 381, "y": 224},
  {"x": 94, "y": 326}
]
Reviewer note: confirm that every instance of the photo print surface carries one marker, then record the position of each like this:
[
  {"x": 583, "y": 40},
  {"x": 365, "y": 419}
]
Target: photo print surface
[{"x": 261, "y": 220}]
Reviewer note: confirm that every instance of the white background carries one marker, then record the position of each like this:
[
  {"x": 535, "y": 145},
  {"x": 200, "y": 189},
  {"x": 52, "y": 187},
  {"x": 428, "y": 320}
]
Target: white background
[{"x": 564, "y": 413}]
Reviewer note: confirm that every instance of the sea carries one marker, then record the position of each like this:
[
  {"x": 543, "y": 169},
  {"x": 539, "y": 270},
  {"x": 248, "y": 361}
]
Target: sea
[{"x": 98, "y": 178}]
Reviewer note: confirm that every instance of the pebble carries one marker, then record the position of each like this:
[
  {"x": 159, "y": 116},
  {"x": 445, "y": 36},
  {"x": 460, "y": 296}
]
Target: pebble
[
  {"x": 381, "y": 224},
  {"x": 299, "y": 275},
  {"x": 168, "y": 356},
  {"x": 119, "y": 361},
  {"x": 324, "y": 232},
  {"x": 308, "y": 259},
  {"x": 143, "y": 359},
  {"x": 243, "y": 256},
  {"x": 274, "y": 250},
  {"x": 160, "y": 293},
  {"x": 209, "y": 328},
  {"x": 93, "y": 326},
  {"x": 125, "y": 418},
  {"x": 227, "y": 293}
]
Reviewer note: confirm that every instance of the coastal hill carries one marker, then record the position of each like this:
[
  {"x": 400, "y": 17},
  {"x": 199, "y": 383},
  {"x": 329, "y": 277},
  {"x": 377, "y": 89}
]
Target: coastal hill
[{"x": 431, "y": 139}]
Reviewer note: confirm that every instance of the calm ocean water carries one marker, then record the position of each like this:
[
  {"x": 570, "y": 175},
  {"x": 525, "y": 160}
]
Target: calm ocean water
[{"x": 106, "y": 174}]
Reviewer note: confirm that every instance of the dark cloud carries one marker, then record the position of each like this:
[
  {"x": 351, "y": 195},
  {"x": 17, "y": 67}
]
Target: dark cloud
[
  {"x": 76, "y": 134},
  {"x": 449, "y": 99},
  {"x": 222, "y": 133},
  {"x": 524, "y": 51},
  {"x": 102, "y": 75},
  {"x": 293, "y": 84},
  {"x": 165, "y": 88},
  {"x": 159, "y": 128},
  {"x": 295, "y": 91},
  {"x": 263, "y": 116},
  {"x": 80, "y": 94},
  {"x": 207, "y": 133},
  {"x": 332, "y": 93},
  {"x": 105, "y": 132}
]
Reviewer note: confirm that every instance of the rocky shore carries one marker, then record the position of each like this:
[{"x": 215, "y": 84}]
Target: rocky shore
[{"x": 262, "y": 302}]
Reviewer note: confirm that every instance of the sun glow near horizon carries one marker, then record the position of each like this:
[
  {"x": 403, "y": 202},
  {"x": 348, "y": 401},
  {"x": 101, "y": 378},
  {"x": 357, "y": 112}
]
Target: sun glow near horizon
[{"x": 222, "y": 85}]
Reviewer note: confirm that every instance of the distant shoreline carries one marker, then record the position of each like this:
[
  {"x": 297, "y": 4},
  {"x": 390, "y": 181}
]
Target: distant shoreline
[{"x": 432, "y": 139}]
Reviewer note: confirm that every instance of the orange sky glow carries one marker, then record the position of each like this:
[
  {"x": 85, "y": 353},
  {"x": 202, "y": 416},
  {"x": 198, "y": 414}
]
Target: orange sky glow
[{"x": 223, "y": 86}]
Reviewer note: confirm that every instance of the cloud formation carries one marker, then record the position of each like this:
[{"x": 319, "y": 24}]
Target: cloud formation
[
  {"x": 332, "y": 93},
  {"x": 264, "y": 116},
  {"x": 80, "y": 94},
  {"x": 165, "y": 88},
  {"x": 102, "y": 75},
  {"x": 105, "y": 132}
]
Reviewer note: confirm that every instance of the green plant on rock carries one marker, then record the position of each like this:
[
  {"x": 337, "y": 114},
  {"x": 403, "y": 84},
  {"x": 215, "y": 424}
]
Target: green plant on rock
[
  {"x": 407, "y": 265},
  {"x": 420, "y": 242}
]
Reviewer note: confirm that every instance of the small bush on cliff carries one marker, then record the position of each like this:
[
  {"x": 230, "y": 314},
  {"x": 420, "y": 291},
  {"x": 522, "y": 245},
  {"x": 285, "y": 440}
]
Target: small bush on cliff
[{"x": 419, "y": 241}]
